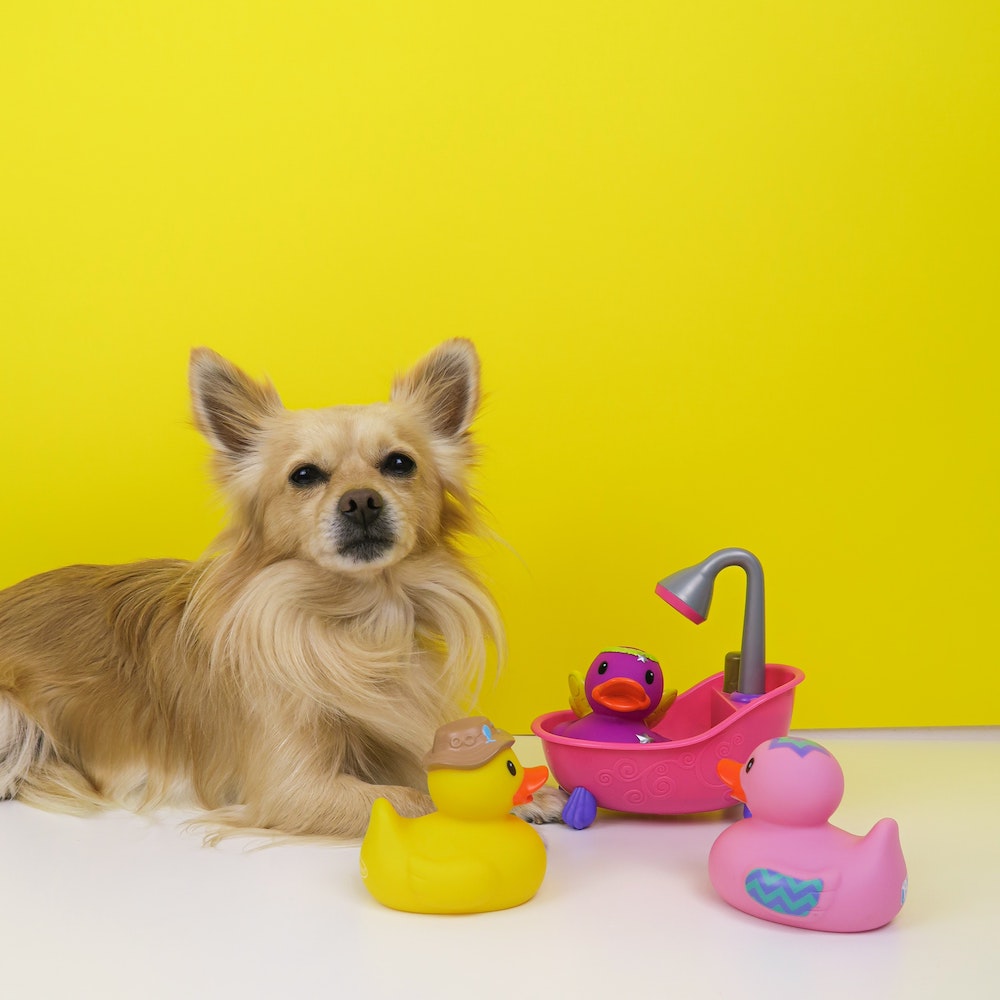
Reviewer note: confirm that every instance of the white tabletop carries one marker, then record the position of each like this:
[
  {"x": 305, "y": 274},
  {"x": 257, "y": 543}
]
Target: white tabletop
[{"x": 119, "y": 906}]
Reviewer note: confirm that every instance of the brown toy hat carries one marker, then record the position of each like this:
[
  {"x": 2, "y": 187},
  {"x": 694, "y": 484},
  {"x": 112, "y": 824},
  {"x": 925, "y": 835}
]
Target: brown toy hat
[{"x": 467, "y": 744}]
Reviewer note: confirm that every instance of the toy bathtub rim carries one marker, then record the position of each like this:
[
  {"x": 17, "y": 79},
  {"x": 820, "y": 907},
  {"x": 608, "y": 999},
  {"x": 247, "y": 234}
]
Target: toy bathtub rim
[{"x": 541, "y": 725}]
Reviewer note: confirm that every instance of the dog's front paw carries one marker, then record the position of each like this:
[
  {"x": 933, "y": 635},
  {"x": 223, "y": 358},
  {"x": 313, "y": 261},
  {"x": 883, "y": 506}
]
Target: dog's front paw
[{"x": 546, "y": 806}]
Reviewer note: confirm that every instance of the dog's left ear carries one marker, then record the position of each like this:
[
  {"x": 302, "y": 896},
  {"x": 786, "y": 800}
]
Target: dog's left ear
[
  {"x": 445, "y": 385},
  {"x": 230, "y": 408}
]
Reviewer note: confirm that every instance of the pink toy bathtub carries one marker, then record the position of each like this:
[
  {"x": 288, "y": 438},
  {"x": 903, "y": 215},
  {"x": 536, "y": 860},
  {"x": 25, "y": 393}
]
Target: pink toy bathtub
[{"x": 703, "y": 726}]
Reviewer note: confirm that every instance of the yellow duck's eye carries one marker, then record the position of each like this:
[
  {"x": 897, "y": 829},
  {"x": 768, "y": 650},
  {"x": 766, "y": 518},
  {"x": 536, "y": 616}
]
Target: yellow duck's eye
[{"x": 511, "y": 767}]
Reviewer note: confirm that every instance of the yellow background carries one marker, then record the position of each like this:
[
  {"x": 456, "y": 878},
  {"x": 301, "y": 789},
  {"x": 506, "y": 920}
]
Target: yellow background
[{"x": 731, "y": 268}]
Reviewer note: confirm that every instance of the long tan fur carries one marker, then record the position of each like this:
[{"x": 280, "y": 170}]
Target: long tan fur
[{"x": 300, "y": 668}]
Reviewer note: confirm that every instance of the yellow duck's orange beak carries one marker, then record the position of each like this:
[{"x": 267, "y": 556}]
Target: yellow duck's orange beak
[
  {"x": 534, "y": 778},
  {"x": 729, "y": 771}
]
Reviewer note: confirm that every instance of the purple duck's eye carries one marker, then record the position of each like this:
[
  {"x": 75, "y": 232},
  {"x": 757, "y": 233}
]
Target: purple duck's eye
[
  {"x": 603, "y": 668},
  {"x": 650, "y": 677}
]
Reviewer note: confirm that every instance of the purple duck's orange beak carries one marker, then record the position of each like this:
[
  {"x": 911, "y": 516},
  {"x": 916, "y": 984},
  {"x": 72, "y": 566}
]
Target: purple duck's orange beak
[
  {"x": 534, "y": 778},
  {"x": 621, "y": 694},
  {"x": 730, "y": 771}
]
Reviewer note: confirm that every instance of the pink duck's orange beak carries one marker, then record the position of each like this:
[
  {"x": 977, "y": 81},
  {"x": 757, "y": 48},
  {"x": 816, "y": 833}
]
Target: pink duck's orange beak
[
  {"x": 729, "y": 771},
  {"x": 534, "y": 778}
]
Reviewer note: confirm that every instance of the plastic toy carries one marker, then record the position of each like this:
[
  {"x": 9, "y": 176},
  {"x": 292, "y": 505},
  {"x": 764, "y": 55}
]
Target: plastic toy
[
  {"x": 787, "y": 863},
  {"x": 618, "y": 701},
  {"x": 472, "y": 855},
  {"x": 689, "y": 591},
  {"x": 722, "y": 716}
]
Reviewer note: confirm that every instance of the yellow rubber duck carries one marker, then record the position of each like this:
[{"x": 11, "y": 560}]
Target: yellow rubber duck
[{"x": 472, "y": 854}]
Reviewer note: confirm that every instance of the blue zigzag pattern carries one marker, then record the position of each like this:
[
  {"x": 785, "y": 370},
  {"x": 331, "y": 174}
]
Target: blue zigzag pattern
[
  {"x": 782, "y": 893},
  {"x": 800, "y": 746}
]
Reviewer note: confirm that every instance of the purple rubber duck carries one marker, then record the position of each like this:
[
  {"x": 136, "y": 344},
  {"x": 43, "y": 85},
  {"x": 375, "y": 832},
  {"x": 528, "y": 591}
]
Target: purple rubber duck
[{"x": 620, "y": 700}]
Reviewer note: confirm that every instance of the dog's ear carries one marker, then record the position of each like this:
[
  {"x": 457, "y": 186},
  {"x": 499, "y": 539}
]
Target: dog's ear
[
  {"x": 229, "y": 406},
  {"x": 445, "y": 385}
]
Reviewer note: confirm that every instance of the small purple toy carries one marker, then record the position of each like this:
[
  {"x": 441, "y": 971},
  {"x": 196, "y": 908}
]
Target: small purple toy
[
  {"x": 786, "y": 862},
  {"x": 620, "y": 700}
]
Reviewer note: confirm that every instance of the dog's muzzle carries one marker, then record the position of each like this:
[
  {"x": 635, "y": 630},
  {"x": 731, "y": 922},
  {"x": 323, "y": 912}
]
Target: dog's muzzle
[{"x": 364, "y": 528}]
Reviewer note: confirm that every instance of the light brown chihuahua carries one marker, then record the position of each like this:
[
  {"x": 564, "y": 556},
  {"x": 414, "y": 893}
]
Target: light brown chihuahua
[{"x": 299, "y": 670}]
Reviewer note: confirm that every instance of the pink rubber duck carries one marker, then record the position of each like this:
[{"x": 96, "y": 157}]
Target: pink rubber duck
[{"x": 787, "y": 862}]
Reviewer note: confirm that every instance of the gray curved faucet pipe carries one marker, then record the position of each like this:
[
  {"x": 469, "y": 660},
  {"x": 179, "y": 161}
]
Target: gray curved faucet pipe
[{"x": 689, "y": 591}]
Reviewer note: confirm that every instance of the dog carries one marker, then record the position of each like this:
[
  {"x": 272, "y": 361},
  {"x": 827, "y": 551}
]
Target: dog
[{"x": 299, "y": 670}]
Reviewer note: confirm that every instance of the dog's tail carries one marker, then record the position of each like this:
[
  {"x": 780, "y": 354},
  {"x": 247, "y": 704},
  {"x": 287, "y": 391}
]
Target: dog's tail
[
  {"x": 21, "y": 747},
  {"x": 30, "y": 768}
]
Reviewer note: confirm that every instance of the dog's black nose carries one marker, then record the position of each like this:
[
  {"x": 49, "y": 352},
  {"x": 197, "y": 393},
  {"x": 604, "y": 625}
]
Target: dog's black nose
[{"x": 361, "y": 507}]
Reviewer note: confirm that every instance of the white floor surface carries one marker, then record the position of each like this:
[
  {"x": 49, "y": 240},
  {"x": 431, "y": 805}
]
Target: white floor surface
[{"x": 119, "y": 906}]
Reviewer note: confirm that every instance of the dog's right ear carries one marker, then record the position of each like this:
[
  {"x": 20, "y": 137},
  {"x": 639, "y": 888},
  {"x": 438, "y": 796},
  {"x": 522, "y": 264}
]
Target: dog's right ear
[{"x": 229, "y": 407}]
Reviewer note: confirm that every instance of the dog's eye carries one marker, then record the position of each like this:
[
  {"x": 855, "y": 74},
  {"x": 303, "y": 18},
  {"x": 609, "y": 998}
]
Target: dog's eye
[
  {"x": 398, "y": 464},
  {"x": 307, "y": 475}
]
